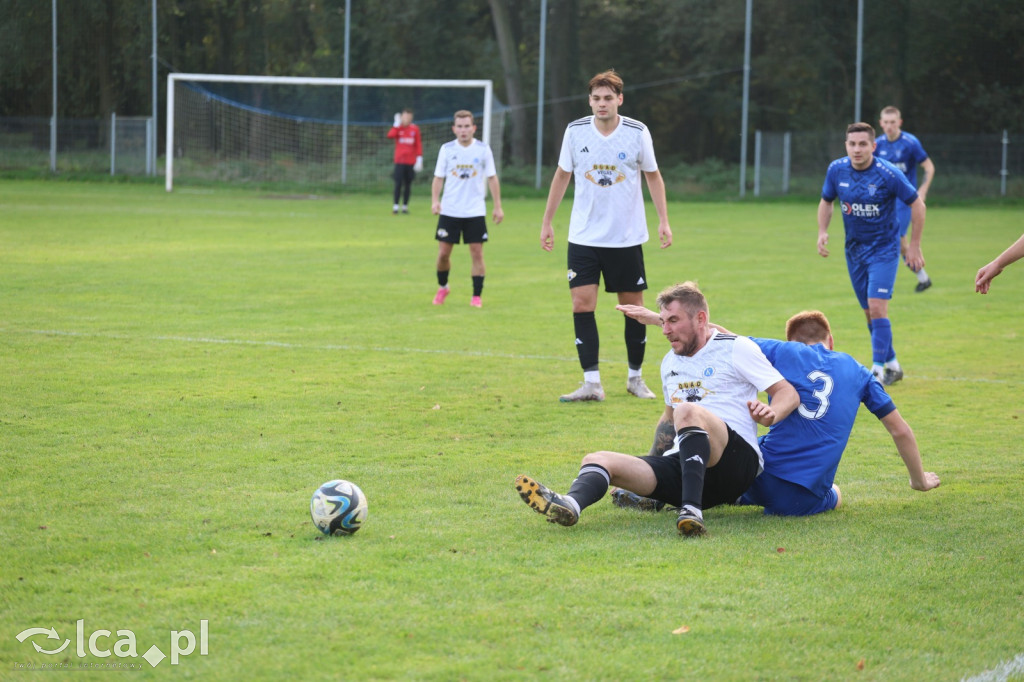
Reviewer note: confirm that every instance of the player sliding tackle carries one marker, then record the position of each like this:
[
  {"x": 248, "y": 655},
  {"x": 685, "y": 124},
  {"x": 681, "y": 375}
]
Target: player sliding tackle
[
  {"x": 801, "y": 454},
  {"x": 710, "y": 381}
]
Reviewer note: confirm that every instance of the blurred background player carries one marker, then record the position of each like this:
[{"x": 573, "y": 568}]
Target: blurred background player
[
  {"x": 465, "y": 169},
  {"x": 869, "y": 189},
  {"x": 1013, "y": 253},
  {"x": 607, "y": 153},
  {"x": 408, "y": 157},
  {"x": 904, "y": 151}
]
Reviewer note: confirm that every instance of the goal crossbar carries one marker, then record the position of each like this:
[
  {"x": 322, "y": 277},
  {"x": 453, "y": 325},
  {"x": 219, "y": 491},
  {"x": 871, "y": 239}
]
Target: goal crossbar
[{"x": 487, "y": 85}]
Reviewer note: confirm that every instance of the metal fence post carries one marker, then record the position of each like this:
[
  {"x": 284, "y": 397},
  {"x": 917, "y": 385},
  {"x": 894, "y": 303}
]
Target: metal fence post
[
  {"x": 1003, "y": 172},
  {"x": 757, "y": 163},
  {"x": 113, "y": 140},
  {"x": 787, "y": 140}
]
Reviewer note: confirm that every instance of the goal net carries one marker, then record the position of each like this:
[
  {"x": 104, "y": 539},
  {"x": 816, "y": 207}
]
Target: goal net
[{"x": 311, "y": 132}]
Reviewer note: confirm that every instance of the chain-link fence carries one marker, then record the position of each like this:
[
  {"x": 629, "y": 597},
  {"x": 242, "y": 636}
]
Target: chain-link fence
[
  {"x": 965, "y": 165},
  {"x": 982, "y": 165}
]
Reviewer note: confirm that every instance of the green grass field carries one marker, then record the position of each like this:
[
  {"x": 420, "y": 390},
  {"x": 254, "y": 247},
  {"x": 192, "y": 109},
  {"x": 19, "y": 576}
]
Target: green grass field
[{"x": 181, "y": 371}]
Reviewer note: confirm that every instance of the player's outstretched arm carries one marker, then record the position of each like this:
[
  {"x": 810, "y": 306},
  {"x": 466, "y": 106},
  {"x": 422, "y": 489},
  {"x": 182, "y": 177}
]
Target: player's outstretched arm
[
  {"x": 985, "y": 275},
  {"x": 906, "y": 445},
  {"x": 639, "y": 313}
]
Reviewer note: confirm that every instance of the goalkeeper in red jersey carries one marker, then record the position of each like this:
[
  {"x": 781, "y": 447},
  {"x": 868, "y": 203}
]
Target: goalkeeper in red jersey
[{"x": 408, "y": 157}]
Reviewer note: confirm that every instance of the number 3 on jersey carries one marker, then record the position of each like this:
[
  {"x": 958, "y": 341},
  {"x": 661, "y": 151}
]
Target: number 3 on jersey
[{"x": 821, "y": 394}]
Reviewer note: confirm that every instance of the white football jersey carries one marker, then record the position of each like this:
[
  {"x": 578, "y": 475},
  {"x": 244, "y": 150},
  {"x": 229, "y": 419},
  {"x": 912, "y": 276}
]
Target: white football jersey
[
  {"x": 465, "y": 171},
  {"x": 608, "y": 205},
  {"x": 721, "y": 377}
]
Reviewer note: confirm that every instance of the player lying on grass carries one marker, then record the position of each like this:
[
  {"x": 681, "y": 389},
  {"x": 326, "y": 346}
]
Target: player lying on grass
[
  {"x": 710, "y": 381},
  {"x": 802, "y": 453}
]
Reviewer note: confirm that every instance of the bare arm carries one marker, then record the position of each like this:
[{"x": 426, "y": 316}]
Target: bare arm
[
  {"x": 985, "y": 275},
  {"x": 435, "y": 195},
  {"x": 915, "y": 259},
  {"x": 906, "y": 445},
  {"x": 656, "y": 186},
  {"x": 495, "y": 187},
  {"x": 929, "y": 174},
  {"x": 784, "y": 399},
  {"x": 559, "y": 183},
  {"x": 825, "y": 209},
  {"x": 639, "y": 313}
]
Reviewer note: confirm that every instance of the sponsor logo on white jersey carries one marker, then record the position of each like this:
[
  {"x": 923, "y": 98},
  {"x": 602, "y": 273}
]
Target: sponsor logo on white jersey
[{"x": 605, "y": 175}]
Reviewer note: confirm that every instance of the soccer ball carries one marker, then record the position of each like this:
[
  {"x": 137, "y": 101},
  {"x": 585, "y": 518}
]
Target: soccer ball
[{"x": 338, "y": 508}]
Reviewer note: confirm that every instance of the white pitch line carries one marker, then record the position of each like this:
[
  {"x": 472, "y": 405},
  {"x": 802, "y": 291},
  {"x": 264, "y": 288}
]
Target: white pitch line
[
  {"x": 387, "y": 349},
  {"x": 297, "y": 346},
  {"x": 1004, "y": 671}
]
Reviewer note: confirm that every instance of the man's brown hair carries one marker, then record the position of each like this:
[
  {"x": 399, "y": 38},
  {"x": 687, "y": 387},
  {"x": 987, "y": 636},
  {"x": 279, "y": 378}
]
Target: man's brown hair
[
  {"x": 607, "y": 79},
  {"x": 860, "y": 128},
  {"x": 687, "y": 295}
]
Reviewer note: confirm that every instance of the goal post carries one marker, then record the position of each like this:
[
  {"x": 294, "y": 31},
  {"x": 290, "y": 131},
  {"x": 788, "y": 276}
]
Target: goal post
[{"x": 282, "y": 130}]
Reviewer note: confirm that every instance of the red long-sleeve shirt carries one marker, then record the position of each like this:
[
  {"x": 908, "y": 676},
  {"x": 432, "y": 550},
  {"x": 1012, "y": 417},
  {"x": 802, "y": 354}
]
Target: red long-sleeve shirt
[{"x": 408, "y": 143}]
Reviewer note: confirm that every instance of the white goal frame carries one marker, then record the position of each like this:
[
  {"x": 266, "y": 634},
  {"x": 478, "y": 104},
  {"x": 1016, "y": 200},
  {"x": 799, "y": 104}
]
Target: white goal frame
[{"x": 487, "y": 85}]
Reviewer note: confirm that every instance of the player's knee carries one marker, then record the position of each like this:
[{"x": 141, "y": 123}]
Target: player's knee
[
  {"x": 687, "y": 414},
  {"x": 601, "y": 457}
]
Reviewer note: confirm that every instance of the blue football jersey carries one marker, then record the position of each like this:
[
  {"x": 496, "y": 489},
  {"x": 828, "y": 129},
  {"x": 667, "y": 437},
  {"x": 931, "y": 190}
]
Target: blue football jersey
[
  {"x": 805, "y": 447},
  {"x": 905, "y": 152},
  {"x": 868, "y": 198}
]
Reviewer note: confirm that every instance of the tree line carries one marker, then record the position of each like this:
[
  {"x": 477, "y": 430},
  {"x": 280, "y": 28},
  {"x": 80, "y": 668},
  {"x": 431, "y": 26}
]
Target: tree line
[{"x": 952, "y": 66}]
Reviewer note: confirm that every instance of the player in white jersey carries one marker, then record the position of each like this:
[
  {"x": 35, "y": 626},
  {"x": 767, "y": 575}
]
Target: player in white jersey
[
  {"x": 465, "y": 170},
  {"x": 710, "y": 381},
  {"x": 606, "y": 153}
]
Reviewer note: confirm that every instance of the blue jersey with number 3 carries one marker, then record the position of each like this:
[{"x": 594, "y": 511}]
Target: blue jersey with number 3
[
  {"x": 805, "y": 447},
  {"x": 868, "y": 199}
]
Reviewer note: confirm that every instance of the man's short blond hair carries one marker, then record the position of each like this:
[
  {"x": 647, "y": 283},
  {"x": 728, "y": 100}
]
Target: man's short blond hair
[
  {"x": 891, "y": 110},
  {"x": 687, "y": 294},
  {"x": 808, "y": 326},
  {"x": 463, "y": 113}
]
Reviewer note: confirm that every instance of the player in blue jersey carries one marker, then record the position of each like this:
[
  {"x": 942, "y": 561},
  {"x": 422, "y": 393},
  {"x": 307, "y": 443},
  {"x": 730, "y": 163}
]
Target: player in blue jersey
[
  {"x": 905, "y": 151},
  {"x": 868, "y": 190},
  {"x": 802, "y": 452}
]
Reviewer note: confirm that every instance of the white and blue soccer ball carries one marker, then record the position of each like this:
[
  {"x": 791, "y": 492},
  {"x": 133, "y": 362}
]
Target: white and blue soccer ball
[{"x": 338, "y": 508}]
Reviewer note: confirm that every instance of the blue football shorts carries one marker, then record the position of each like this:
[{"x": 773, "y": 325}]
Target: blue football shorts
[{"x": 782, "y": 498}]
